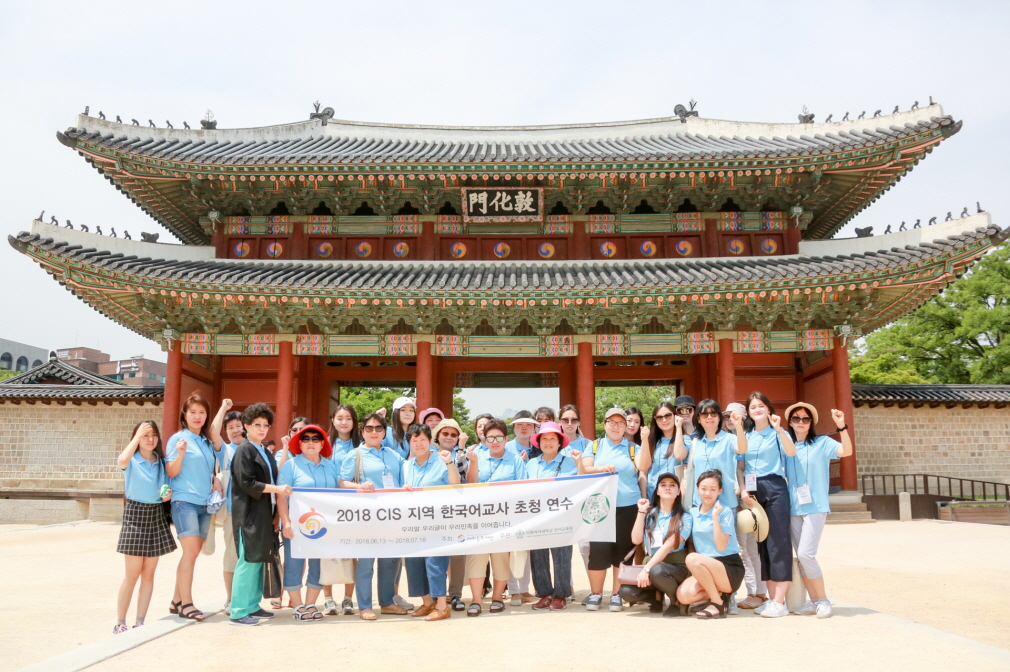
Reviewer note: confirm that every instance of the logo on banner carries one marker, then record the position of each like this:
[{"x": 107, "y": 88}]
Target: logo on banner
[
  {"x": 312, "y": 524},
  {"x": 596, "y": 508}
]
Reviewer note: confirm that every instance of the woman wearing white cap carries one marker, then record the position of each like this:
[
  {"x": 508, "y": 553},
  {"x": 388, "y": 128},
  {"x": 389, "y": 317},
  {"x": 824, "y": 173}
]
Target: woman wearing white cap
[
  {"x": 613, "y": 454},
  {"x": 404, "y": 412},
  {"x": 809, "y": 478}
]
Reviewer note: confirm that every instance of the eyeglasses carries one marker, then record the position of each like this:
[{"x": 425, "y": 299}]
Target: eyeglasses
[
  {"x": 663, "y": 418},
  {"x": 261, "y": 425},
  {"x": 495, "y": 439},
  {"x": 685, "y": 410},
  {"x": 570, "y": 421},
  {"x": 708, "y": 414},
  {"x": 373, "y": 428},
  {"x": 618, "y": 423},
  {"x": 312, "y": 439},
  {"x": 800, "y": 420}
]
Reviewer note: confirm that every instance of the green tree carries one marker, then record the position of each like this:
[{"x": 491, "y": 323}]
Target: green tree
[
  {"x": 956, "y": 337},
  {"x": 645, "y": 398},
  {"x": 367, "y": 400},
  {"x": 5, "y": 374}
]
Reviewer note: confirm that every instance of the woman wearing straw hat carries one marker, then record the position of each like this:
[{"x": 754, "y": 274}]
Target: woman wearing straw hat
[
  {"x": 427, "y": 468},
  {"x": 309, "y": 467},
  {"x": 556, "y": 460},
  {"x": 809, "y": 477},
  {"x": 661, "y": 520},
  {"x": 523, "y": 425}
]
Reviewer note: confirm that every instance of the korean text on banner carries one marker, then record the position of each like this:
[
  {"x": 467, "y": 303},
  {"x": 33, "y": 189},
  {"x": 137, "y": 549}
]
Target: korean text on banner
[{"x": 453, "y": 520}]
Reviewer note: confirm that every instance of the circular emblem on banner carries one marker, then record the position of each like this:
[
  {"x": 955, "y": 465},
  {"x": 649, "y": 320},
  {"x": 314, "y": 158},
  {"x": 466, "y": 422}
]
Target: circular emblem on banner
[
  {"x": 545, "y": 250},
  {"x": 596, "y": 508},
  {"x": 241, "y": 249},
  {"x": 363, "y": 249},
  {"x": 501, "y": 250},
  {"x": 684, "y": 248},
  {"x": 312, "y": 524},
  {"x": 608, "y": 249},
  {"x": 274, "y": 249},
  {"x": 520, "y": 534},
  {"x": 648, "y": 248},
  {"x": 458, "y": 250},
  {"x": 769, "y": 246},
  {"x": 736, "y": 246},
  {"x": 401, "y": 249},
  {"x": 324, "y": 249}
]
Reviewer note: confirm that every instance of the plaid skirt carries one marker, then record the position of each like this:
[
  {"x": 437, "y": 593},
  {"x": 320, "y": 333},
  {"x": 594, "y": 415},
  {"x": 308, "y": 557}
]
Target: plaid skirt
[{"x": 145, "y": 531}]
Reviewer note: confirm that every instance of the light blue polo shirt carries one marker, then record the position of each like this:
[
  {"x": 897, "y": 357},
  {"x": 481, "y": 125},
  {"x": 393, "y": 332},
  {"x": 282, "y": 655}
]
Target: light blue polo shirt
[
  {"x": 265, "y": 454},
  {"x": 514, "y": 446},
  {"x": 765, "y": 455},
  {"x": 812, "y": 465},
  {"x": 433, "y": 472},
  {"x": 508, "y": 467},
  {"x": 299, "y": 472},
  {"x": 620, "y": 456},
  {"x": 144, "y": 479},
  {"x": 389, "y": 441},
  {"x": 718, "y": 453},
  {"x": 374, "y": 463},
  {"x": 561, "y": 465},
  {"x": 661, "y": 464},
  {"x": 579, "y": 443},
  {"x": 662, "y": 527},
  {"x": 340, "y": 450},
  {"x": 704, "y": 537},
  {"x": 193, "y": 484}
]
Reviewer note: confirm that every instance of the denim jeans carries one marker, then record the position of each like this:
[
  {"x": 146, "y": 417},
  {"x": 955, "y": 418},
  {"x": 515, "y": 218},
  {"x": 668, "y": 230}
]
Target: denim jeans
[
  {"x": 190, "y": 520},
  {"x": 540, "y": 563},
  {"x": 363, "y": 581},
  {"x": 294, "y": 569},
  {"x": 426, "y": 576}
]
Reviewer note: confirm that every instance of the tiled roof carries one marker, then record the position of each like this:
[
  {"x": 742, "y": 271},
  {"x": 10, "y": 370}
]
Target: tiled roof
[
  {"x": 662, "y": 139},
  {"x": 55, "y": 368},
  {"x": 508, "y": 275},
  {"x": 931, "y": 394},
  {"x": 78, "y": 384}
]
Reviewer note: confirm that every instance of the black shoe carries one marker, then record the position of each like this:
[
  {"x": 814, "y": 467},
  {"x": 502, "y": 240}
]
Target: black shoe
[
  {"x": 458, "y": 604},
  {"x": 262, "y": 613},
  {"x": 656, "y": 606},
  {"x": 674, "y": 610}
]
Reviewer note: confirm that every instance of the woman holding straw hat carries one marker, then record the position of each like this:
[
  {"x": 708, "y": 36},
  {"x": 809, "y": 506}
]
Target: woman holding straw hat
[{"x": 809, "y": 477}]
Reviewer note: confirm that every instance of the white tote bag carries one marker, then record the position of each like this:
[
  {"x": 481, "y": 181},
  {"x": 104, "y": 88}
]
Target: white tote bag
[
  {"x": 796, "y": 594},
  {"x": 336, "y": 572}
]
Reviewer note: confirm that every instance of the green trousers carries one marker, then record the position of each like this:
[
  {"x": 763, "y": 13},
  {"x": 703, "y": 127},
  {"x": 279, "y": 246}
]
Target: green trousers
[{"x": 246, "y": 585}]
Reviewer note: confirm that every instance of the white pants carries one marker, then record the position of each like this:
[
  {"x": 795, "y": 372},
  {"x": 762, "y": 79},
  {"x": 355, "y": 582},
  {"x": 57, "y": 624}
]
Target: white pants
[
  {"x": 806, "y": 536},
  {"x": 520, "y": 584},
  {"x": 751, "y": 565}
]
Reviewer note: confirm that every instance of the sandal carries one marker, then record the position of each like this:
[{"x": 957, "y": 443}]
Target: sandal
[
  {"x": 720, "y": 609},
  {"x": 173, "y": 607},
  {"x": 302, "y": 613},
  {"x": 316, "y": 614},
  {"x": 497, "y": 607},
  {"x": 751, "y": 602},
  {"x": 473, "y": 610},
  {"x": 194, "y": 615}
]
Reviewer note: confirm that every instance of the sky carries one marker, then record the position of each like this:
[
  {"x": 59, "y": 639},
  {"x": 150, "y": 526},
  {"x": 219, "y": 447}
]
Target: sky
[{"x": 473, "y": 63}]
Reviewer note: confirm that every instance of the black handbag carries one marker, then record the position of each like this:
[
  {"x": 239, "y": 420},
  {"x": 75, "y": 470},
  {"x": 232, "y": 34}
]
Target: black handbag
[{"x": 272, "y": 588}]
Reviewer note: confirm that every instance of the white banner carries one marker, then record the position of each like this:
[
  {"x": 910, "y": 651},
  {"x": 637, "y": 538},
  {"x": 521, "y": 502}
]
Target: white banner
[{"x": 453, "y": 520}]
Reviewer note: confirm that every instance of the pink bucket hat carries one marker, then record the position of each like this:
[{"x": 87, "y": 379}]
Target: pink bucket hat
[{"x": 550, "y": 428}]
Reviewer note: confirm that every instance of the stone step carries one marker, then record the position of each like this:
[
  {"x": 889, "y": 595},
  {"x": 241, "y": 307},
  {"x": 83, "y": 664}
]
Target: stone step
[
  {"x": 850, "y": 517},
  {"x": 846, "y": 497},
  {"x": 847, "y": 508}
]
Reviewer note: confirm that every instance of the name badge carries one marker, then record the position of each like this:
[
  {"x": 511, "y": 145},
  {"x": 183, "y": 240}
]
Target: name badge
[
  {"x": 750, "y": 482},
  {"x": 803, "y": 494},
  {"x": 387, "y": 481},
  {"x": 657, "y": 540}
]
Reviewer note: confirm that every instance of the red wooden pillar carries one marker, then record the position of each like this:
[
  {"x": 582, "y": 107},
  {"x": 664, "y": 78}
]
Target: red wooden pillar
[
  {"x": 285, "y": 387},
  {"x": 843, "y": 402},
  {"x": 425, "y": 392},
  {"x": 566, "y": 384},
  {"x": 727, "y": 372},
  {"x": 586, "y": 389},
  {"x": 173, "y": 390}
]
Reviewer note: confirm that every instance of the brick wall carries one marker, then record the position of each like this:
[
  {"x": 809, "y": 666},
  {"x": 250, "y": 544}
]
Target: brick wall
[
  {"x": 963, "y": 442},
  {"x": 67, "y": 447}
]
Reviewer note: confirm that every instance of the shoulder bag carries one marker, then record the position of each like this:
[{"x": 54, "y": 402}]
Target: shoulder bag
[
  {"x": 687, "y": 486},
  {"x": 628, "y": 574},
  {"x": 272, "y": 585}
]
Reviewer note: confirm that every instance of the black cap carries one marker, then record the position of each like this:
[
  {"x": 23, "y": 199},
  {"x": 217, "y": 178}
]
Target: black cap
[{"x": 684, "y": 400}]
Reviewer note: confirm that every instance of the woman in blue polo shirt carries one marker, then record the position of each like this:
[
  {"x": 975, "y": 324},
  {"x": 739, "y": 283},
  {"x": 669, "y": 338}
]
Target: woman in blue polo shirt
[
  {"x": 656, "y": 456},
  {"x": 404, "y": 414},
  {"x": 309, "y": 467},
  {"x": 373, "y": 466},
  {"x": 344, "y": 437},
  {"x": 556, "y": 460},
  {"x": 809, "y": 478},
  {"x": 709, "y": 448},
  {"x": 229, "y": 427},
  {"x": 491, "y": 465},
  {"x": 189, "y": 462},
  {"x": 716, "y": 566},
  {"x": 428, "y": 468},
  {"x": 613, "y": 454},
  {"x": 145, "y": 535},
  {"x": 659, "y": 521},
  {"x": 571, "y": 422},
  {"x": 765, "y": 445}
]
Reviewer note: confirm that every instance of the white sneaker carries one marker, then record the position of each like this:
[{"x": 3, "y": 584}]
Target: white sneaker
[
  {"x": 227, "y": 608},
  {"x": 400, "y": 602},
  {"x": 516, "y": 600},
  {"x": 808, "y": 609},
  {"x": 761, "y": 607},
  {"x": 330, "y": 607},
  {"x": 616, "y": 603},
  {"x": 775, "y": 610},
  {"x": 823, "y": 608},
  {"x": 731, "y": 608}
]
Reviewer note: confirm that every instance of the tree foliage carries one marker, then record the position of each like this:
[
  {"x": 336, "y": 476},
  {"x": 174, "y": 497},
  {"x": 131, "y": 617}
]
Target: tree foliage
[
  {"x": 367, "y": 400},
  {"x": 5, "y": 374},
  {"x": 956, "y": 337},
  {"x": 645, "y": 398}
]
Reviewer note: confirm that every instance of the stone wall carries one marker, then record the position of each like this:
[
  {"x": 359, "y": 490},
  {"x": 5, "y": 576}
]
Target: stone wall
[
  {"x": 53, "y": 447},
  {"x": 969, "y": 442}
]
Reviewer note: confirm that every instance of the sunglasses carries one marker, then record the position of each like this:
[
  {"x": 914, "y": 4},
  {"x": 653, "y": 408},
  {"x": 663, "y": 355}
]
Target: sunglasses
[
  {"x": 569, "y": 421},
  {"x": 800, "y": 420},
  {"x": 312, "y": 439},
  {"x": 373, "y": 428},
  {"x": 495, "y": 439},
  {"x": 664, "y": 417},
  {"x": 708, "y": 414},
  {"x": 686, "y": 410}
]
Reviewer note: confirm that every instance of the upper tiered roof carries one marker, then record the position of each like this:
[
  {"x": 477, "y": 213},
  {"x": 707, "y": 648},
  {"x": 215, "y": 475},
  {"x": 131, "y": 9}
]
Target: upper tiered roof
[{"x": 832, "y": 169}]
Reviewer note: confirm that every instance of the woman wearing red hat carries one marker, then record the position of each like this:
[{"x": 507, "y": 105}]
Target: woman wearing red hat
[{"x": 307, "y": 468}]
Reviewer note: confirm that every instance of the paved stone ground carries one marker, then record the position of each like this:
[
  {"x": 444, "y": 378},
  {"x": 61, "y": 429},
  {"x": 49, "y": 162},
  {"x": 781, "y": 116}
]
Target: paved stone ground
[{"x": 918, "y": 595}]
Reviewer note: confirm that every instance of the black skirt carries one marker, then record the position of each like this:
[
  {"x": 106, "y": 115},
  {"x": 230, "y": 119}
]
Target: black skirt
[
  {"x": 734, "y": 570},
  {"x": 145, "y": 532}
]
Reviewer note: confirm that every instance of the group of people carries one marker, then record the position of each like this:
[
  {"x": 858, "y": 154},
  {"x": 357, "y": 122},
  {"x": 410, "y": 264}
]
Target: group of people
[{"x": 683, "y": 475}]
